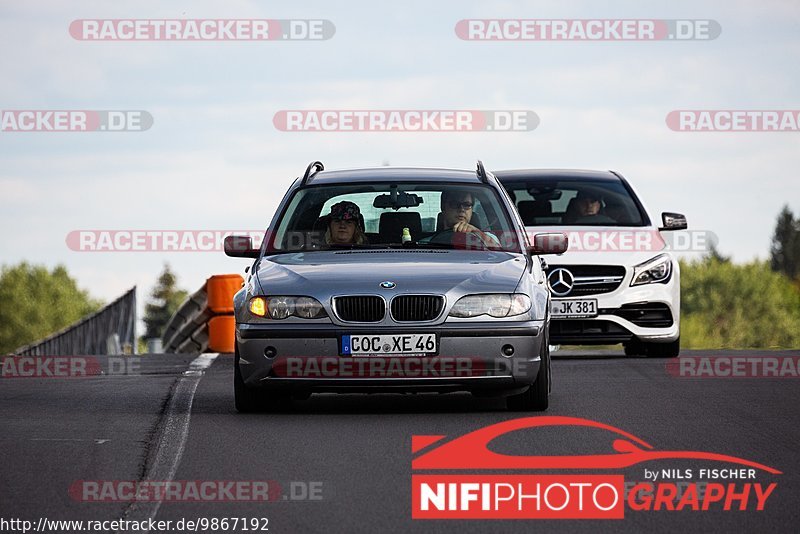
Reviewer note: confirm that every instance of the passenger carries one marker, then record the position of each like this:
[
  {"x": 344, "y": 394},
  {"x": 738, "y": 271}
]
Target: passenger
[
  {"x": 457, "y": 209},
  {"x": 344, "y": 225}
]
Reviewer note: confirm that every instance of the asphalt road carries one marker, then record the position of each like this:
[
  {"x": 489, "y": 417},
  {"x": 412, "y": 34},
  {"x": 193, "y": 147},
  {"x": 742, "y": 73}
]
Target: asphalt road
[{"x": 165, "y": 421}]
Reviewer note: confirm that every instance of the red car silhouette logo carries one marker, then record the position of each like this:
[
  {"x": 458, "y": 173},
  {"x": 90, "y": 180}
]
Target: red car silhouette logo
[{"x": 471, "y": 451}]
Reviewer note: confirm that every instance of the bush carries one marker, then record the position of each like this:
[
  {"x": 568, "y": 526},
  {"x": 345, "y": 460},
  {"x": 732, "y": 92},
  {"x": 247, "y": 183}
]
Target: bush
[{"x": 725, "y": 305}]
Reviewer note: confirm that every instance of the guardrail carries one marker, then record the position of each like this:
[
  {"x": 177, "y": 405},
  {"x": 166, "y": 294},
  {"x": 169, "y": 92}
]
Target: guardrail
[
  {"x": 205, "y": 320},
  {"x": 107, "y": 331}
]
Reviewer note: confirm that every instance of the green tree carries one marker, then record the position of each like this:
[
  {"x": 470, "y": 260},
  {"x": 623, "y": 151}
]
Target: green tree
[
  {"x": 35, "y": 303},
  {"x": 725, "y": 305},
  {"x": 165, "y": 299},
  {"x": 785, "y": 247}
]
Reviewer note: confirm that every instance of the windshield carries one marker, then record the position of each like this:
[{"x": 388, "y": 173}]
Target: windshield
[
  {"x": 389, "y": 215},
  {"x": 575, "y": 203}
]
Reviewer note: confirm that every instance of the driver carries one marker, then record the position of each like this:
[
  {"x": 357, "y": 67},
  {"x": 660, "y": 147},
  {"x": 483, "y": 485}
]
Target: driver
[
  {"x": 585, "y": 208},
  {"x": 588, "y": 204},
  {"x": 457, "y": 209}
]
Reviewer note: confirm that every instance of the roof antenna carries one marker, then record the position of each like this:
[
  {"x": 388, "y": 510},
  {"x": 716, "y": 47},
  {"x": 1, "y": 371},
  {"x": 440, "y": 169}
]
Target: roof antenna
[{"x": 482, "y": 173}]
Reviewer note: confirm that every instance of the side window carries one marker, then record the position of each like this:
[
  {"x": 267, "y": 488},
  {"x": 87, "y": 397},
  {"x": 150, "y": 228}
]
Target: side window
[{"x": 521, "y": 195}]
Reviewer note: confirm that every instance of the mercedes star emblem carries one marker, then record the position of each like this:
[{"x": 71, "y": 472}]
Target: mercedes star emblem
[{"x": 560, "y": 281}]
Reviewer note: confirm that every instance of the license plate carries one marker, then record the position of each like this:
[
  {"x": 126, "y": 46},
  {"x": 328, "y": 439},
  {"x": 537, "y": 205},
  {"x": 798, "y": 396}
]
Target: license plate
[
  {"x": 370, "y": 344},
  {"x": 573, "y": 308}
]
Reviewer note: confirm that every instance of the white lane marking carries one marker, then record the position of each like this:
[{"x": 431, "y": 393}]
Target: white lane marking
[
  {"x": 173, "y": 435},
  {"x": 201, "y": 363}
]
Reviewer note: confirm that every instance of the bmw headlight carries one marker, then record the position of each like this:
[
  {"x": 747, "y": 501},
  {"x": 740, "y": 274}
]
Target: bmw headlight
[
  {"x": 652, "y": 271},
  {"x": 308, "y": 308},
  {"x": 280, "y": 307},
  {"x": 494, "y": 305}
]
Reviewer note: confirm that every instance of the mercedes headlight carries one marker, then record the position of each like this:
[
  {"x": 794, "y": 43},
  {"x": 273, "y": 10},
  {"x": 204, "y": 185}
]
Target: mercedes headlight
[
  {"x": 281, "y": 307},
  {"x": 494, "y": 305},
  {"x": 652, "y": 271}
]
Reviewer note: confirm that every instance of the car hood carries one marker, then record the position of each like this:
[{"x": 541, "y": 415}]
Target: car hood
[
  {"x": 604, "y": 245},
  {"x": 413, "y": 271}
]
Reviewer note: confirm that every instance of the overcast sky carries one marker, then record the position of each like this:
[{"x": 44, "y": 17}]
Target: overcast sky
[{"x": 214, "y": 160}]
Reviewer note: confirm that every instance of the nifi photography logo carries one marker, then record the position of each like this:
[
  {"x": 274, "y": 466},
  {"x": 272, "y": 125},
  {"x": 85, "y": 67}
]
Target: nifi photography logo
[{"x": 464, "y": 478}]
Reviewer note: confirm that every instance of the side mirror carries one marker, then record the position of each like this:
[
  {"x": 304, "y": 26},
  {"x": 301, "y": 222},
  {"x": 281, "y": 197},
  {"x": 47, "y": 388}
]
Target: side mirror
[
  {"x": 239, "y": 246},
  {"x": 550, "y": 243},
  {"x": 673, "y": 221}
]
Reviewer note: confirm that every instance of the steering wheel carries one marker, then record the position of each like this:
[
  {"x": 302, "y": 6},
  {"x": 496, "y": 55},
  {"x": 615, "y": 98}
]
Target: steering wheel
[{"x": 445, "y": 237}]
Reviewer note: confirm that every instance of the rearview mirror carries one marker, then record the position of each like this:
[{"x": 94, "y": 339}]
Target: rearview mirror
[
  {"x": 550, "y": 243},
  {"x": 673, "y": 221},
  {"x": 239, "y": 246},
  {"x": 397, "y": 200}
]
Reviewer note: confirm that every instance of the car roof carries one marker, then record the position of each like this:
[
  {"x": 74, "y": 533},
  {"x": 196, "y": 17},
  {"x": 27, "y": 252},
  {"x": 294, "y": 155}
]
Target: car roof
[
  {"x": 523, "y": 175},
  {"x": 389, "y": 174}
]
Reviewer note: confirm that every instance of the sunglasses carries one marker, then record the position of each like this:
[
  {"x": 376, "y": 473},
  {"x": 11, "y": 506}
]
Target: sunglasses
[{"x": 460, "y": 205}]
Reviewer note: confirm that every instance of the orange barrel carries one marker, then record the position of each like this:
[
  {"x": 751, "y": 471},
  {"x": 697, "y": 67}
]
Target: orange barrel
[
  {"x": 221, "y": 333},
  {"x": 220, "y": 289}
]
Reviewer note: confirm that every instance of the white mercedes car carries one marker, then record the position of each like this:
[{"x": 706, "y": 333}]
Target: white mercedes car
[{"x": 618, "y": 282}]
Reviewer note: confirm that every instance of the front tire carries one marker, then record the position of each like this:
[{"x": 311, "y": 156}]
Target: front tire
[
  {"x": 634, "y": 347},
  {"x": 246, "y": 400},
  {"x": 664, "y": 350},
  {"x": 537, "y": 397}
]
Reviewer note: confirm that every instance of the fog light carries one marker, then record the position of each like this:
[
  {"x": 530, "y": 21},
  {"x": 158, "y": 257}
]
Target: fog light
[
  {"x": 270, "y": 352},
  {"x": 508, "y": 350}
]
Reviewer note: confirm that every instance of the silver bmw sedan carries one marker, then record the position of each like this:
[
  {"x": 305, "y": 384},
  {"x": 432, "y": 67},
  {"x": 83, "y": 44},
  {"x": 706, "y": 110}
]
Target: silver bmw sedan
[{"x": 393, "y": 279}]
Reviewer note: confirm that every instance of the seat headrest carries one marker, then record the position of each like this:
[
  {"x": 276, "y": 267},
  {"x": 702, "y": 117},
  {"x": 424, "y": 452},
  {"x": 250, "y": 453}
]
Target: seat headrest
[
  {"x": 390, "y": 227},
  {"x": 529, "y": 210}
]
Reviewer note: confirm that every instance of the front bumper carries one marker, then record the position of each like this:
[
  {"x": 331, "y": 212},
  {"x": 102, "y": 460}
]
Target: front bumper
[
  {"x": 470, "y": 358},
  {"x": 649, "y": 313}
]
